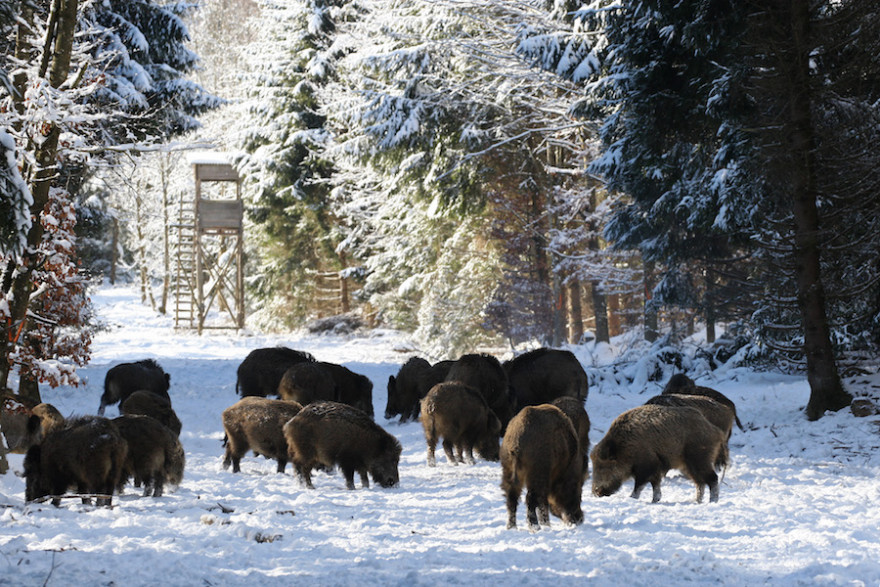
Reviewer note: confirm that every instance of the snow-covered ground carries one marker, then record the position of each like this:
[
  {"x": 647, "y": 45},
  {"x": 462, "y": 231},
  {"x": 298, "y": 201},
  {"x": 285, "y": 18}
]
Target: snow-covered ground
[{"x": 799, "y": 506}]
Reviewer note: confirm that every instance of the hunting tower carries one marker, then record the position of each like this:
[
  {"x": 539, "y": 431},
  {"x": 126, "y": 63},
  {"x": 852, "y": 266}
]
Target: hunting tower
[{"x": 209, "y": 271}]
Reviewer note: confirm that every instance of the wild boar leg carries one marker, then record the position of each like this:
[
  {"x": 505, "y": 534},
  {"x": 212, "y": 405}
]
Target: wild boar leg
[{"x": 447, "y": 448}]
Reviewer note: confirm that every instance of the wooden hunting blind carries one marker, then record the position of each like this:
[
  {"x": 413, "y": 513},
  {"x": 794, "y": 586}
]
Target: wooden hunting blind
[{"x": 209, "y": 288}]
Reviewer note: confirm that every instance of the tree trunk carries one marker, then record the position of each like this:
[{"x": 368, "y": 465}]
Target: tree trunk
[
  {"x": 826, "y": 389},
  {"x": 613, "y": 314},
  {"x": 651, "y": 320},
  {"x": 575, "y": 313},
  {"x": 600, "y": 308},
  {"x": 709, "y": 302}
]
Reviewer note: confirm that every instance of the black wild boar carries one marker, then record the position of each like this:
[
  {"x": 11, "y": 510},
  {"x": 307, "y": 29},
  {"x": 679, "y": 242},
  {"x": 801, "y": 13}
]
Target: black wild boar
[
  {"x": 305, "y": 383},
  {"x": 403, "y": 390},
  {"x": 352, "y": 388},
  {"x": 155, "y": 455},
  {"x": 87, "y": 453},
  {"x": 461, "y": 416},
  {"x": 717, "y": 413},
  {"x": 647, "y": 441},
  {"x": 126, "y": 378},
  {"x": 436, "y": 374},
  {"x": 684, "y": 385},
  {"x": 261, "y": 371},
  {"x": 540, "y": 452},
  {"x": 542, "y": 375},
  {"x": 574, "y": 409},
  {"x": 485, "y": 374},
  {"x": 325, "y": 434},
  {"x": 144, "y": 403},
  {"x": 256, "y": 423}
]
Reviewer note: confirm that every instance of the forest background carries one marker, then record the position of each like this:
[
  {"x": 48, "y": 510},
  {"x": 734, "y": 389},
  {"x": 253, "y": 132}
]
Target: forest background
[{"x": 482, "y": 174}]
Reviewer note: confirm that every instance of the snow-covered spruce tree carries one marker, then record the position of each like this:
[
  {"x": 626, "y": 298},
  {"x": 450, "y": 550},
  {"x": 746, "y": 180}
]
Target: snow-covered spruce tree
[
  {"x": 434, "y": 98},
  {"x": 285, "y": 167},
  {"x": 738, "y": 96}
]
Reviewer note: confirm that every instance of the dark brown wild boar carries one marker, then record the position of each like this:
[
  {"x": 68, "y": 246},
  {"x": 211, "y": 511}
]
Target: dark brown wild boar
[
  {"x": 305, "y": 383},
  {"x": 256, "y": 423},
  {"x": 44, "y": 418},
  {"x": 647, "y": 441},
  {"x": 144, "y": 403},
  {"x": 155, "y": 455},
  {"x": 352, "y": 388},
  {"x": 261, "y": 371},
  {"x": 684, "y": 385},
  {"x": 126, "y": 378},
  {"x": 485, "y": 374},
  {"x": 717, "y": 413},
  {"x": 542, "y": 375},
  {"x": 459, "y": 415},
  {"x": 403, "y": 390},
  {"x": 87, "y": 453},
  {"x": 574, "y": 409},
  {"x": 15, "y": 415},
  {"x": 540, "y": 452},
  {"x": 325, "y": 434}
]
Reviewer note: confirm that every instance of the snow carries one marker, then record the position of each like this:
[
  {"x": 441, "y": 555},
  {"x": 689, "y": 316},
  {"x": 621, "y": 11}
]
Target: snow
[{"x": 797, "y": 507}]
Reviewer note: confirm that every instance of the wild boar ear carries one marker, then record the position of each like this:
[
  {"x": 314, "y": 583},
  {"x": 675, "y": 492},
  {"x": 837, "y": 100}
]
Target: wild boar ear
[
  {"x": 607, "y": 451},
  {"x": 33, "y": 424},
  {"x": 391, "y": 381}
]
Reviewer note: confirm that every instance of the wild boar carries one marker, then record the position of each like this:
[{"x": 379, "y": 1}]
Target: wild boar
[
  {"x": 352, "y": 388},
  {"x": 540, "y": 452},
  {"x": 684, "y": 385},
  {"x": 485, "y": 374},
  {"x": 305, "y": 383},
  {"x": 126, "y": 378},
  {"x": 403, "y": 390},
  {"x": 155, "y": 455},
  {"x": 542, "y": 375},
  {"x": 436, "y": 374},
  {"x": 717, "y": 413},
  {"x": 261, "y": 371},
  {"x": 144, "y": 403},
  {"x": 44, "y": 418},
  {"x": 325, "y": 434},
  {"x": 461, "y": 416},
  {"x": 647, "y": 441},
  {"x": 86, "y": 452},
  {"x": 15, "y": 414},
  {"x": 574, "y": 409},
  {"x": 256, "y": 423}
]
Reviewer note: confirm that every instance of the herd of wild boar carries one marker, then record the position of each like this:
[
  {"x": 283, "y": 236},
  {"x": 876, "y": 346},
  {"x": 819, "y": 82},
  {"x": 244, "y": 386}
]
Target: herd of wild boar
[{"x": 528, "y": 413}]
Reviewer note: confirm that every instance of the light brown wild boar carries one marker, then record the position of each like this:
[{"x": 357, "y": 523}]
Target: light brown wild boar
[
  {"x": 683, "y": 385},
  {"x": 145, "y": 403},
  {"x": 155, "y": 455},
  {"x": 574, "y": 409},
  {"x": 87, "y": 453},
  {"x": 540, "y": 452},
  {"x": 325, "y": 434},
  {"x": 256, "y": 423},
  {"x": 459, "y": 415},
  {"x": 717, "y": 413},
  {"x": 647, "y": 441}
]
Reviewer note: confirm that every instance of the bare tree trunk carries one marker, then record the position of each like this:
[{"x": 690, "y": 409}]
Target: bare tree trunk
[
  {"x": 709, "y": 301},
  {"x": 651, "y": 319},
  {"x": 600, "y": 308},
  {"x": 575, "y": 312},
  {"x": 613, "y": 314},
  {"x": 826, "y": 389}
]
